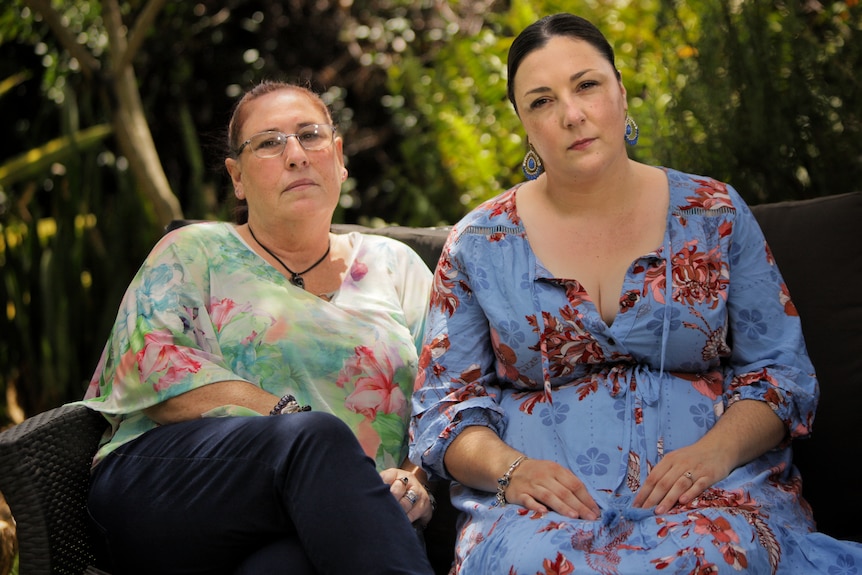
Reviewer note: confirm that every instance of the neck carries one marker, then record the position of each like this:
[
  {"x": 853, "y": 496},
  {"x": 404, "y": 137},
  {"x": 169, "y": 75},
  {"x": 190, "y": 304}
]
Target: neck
[
  {"x": 586, "y": 196},
  {"x": 297, "y": 272}
]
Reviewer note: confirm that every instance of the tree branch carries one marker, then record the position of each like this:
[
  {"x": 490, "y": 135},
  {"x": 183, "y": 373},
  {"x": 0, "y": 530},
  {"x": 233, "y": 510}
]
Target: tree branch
[
  {"x": 89, "y": 64},
  {"x": 139, "y": 31}
]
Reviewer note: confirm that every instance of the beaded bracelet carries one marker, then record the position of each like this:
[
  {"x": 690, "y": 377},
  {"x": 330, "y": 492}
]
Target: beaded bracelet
[
  {"x": 288, "y": 404},
  {"x": 503, "y": 482}
]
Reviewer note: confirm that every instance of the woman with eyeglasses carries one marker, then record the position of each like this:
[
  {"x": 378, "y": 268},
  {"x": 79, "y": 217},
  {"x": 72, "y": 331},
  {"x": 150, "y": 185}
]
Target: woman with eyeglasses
[{"x": 257, "y": 376}]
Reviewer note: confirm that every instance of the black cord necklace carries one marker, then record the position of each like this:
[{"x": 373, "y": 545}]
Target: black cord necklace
[{"x": 296, "y": 277}]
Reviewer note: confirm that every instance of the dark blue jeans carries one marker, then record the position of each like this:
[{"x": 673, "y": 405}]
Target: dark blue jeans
[{"x": 287, "y": 494}]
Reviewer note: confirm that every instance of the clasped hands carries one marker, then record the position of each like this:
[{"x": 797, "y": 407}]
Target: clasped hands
[
  {"x": 411, "y": 494},
  {"x": 680, "y": 476}
]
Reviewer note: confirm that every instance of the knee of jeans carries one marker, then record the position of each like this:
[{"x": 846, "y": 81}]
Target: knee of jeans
[{"x": 315, "y": 427}]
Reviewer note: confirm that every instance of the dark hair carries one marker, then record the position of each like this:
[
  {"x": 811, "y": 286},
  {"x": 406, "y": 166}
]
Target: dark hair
[
  {"x": 237, "y": 118},
  {"x": 537, "y": 34}
]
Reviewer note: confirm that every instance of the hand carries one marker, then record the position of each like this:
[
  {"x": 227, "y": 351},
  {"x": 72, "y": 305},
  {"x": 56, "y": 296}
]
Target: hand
[
  {"x": 679, "y": 477},
  {"x": 540, "y": 485},
  {"x": 410, "y": 494}
]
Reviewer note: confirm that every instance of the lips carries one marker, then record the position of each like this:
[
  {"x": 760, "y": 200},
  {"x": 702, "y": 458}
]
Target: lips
[
  {"x": 582, "y": 144},
  {"x": 299, "y": 184}
]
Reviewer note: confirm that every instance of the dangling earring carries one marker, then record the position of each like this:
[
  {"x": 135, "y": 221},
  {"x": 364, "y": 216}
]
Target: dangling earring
[
  {"x": 632, "y": 131},
  {"x": 532, "y": 164}
]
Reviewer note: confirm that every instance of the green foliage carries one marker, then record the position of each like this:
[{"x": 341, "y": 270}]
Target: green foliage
[
  {"x": 762, "y": 94},
  {"x": 769, "y": 97}
]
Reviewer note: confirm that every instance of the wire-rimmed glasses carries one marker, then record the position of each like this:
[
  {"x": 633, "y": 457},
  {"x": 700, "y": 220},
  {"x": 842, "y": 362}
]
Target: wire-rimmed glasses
[{"x": 271, "y": 143}]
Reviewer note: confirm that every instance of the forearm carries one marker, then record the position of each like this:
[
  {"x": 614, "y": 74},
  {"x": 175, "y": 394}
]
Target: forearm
[
  {"x": 748, "y": 429},
  {"x": 193, "y": 403},
  {"x": 478, "y": 457}
]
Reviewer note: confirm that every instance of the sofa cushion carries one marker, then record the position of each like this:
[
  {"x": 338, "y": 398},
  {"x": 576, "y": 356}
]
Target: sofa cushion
[{"x": 818, "y": 247}]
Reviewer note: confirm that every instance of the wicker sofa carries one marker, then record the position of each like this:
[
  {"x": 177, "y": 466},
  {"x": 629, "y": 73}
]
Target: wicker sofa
[{"x": 44, "y": 461}]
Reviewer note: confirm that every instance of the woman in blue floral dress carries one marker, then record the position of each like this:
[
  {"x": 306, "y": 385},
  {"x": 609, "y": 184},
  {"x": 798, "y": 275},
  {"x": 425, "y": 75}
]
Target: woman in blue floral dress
[{"x": 613, "y": 369}]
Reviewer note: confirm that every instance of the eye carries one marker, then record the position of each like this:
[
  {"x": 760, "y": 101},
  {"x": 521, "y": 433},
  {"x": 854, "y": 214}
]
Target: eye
[
  {"x": 587, "y": 84},
  {"x": 310, "y": 135},
  {"x": 268, "y": 141},
  {"x": 538, "y": 103}
]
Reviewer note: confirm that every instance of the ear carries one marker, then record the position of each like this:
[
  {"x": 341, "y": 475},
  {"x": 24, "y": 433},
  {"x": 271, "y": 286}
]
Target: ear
[
  {"x": 339, "y": 154},
  {"x": 235, "y": 171}
]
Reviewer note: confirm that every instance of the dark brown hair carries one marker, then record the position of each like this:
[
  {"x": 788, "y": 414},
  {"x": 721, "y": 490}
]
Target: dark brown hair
[{"x": 537, "y": 34}]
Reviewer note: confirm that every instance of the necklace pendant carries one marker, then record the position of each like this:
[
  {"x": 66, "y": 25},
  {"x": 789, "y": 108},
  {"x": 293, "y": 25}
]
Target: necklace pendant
[{"x": 298, "y": 281}]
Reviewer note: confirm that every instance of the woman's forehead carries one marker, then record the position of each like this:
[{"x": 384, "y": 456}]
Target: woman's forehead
[{"x": 284, "y": 107}]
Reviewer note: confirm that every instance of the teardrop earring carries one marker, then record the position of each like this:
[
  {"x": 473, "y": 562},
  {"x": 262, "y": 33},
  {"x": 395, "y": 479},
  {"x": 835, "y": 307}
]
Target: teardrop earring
[
  {"x": 532, "y": 164},
  {"x": 632, "y": 131}
]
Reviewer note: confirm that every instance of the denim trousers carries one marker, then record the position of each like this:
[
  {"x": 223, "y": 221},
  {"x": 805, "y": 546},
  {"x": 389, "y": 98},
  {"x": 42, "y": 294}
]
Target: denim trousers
[{"x": 288, "y": 494}]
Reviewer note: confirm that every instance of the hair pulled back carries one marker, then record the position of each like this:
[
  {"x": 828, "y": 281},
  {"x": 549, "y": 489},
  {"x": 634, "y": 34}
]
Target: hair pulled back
[{"x": 537, "y": 34}]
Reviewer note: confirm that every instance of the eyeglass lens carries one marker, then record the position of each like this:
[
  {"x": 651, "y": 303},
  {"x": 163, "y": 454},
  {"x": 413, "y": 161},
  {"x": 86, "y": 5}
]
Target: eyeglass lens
[{"x": 272, "y": 143}]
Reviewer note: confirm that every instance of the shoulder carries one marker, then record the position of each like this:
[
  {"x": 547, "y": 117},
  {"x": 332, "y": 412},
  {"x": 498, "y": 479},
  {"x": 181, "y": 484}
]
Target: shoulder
[
  {"x": 192, "y": 241},
  {"x": 387, "y": 248},
  {"x": 200, "y": 231},
  {"x": 693, "y": 194},
  {"x": 499, "y": 215}
]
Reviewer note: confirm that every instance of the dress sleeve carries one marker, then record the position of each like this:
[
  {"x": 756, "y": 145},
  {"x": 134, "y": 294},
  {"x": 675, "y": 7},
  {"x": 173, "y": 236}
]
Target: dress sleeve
[
  {"x": 163, "y": 342},
  {"x": 769, "y": 361},
  {"x": 456, "y": 386}
]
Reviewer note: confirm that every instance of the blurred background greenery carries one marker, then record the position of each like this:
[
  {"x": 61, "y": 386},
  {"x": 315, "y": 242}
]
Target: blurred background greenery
[{"x": 114, "y": 113}]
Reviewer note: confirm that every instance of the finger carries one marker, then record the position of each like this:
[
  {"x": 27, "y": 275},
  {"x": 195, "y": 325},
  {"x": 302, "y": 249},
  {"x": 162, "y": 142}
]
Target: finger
[
  {"x": 408, "y": 501},
  {"x": 685, "y": 483},
  {"x": 419, "y": 510},
  {"x": 399, "y": 486}
]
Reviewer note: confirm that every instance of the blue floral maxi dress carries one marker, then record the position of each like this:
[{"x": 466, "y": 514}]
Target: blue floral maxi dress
[{"x": 510, "y": 347}]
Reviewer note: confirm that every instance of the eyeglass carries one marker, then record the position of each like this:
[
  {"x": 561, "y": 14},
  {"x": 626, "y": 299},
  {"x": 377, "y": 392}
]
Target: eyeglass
[{"x": 271, "y": 143}]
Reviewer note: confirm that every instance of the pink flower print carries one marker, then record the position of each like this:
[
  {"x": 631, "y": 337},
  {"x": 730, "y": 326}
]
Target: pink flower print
[
  {"x": 371, "y": 385},
  {"x": 161, "y": 355},
  {"x": 358, "y": 271},
  {"x": 224, "y": 310}
]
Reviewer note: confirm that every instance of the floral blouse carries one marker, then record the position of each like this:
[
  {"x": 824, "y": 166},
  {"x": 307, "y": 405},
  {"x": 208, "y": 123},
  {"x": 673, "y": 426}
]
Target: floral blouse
[{"x": 204, "y": 307}]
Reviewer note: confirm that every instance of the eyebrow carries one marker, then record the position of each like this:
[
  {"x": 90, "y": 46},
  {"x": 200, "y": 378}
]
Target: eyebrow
[
  {"x": 299, "y": 126},
  {"x": 573, "y": 78}
]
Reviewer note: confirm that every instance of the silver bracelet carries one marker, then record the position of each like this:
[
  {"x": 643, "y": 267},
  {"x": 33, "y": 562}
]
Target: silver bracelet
[{"x": 503, "y": 482}]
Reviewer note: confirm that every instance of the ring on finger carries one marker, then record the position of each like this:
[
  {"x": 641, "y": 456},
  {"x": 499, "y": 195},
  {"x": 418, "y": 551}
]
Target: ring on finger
[
  {"x": 689, "y": 476},
  {"x": 411, "y": 497},
  {"x": 404, "y": 480}
]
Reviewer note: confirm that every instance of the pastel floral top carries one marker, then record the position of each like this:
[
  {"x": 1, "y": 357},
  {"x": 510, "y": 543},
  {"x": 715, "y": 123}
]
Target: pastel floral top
[
  {"x": 704, "y": 320},
  {"x": 205, "y": 308}
]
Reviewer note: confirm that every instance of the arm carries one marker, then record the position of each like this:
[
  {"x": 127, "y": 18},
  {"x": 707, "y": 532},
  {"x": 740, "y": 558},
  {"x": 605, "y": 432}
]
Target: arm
[
  {"x": 478, "y": 458},
  {"x": 745, "y": 431},
  {"x": 769, "y": 389},
  {"x": 458, "y": 423},
  {"x": 193, "y": 403}
]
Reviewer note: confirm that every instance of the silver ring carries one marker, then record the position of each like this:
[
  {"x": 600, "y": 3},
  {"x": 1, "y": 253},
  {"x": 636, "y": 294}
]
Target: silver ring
[
  {"x": 411, "y": 496},
  {"x": 688, "y": 476}
]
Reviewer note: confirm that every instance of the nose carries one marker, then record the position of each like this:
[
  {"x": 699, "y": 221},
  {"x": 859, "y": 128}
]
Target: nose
[
  {"x": 572, "y": 112},
  {"x": 294, "y": 154}
]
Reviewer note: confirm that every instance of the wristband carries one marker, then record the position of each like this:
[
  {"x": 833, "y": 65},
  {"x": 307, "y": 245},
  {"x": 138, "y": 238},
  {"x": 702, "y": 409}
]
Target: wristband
[
  {"x": 288, "y": 404},
  {"x": 503, "y": 482}
]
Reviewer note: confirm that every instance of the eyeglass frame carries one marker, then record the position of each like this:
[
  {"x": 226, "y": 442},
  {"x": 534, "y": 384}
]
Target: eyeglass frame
[{"x": 287, "y": 137}]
